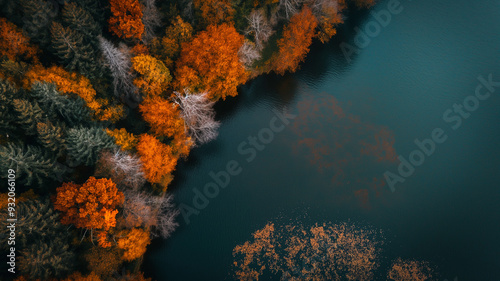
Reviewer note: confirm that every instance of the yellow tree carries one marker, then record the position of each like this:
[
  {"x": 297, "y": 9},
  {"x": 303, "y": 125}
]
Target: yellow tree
[
  {"x": 154, "y": 75},
  {"x": 124, "y": 139},
  {"x": 210, "y": 63}
]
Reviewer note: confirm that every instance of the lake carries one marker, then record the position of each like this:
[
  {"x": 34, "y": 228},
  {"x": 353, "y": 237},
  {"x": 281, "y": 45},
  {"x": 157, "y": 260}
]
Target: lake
[{"x": 351, "y": 112}]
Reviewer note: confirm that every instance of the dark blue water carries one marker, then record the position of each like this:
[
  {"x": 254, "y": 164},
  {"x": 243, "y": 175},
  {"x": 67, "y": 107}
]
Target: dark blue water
[{"x": 353, "y": 117}]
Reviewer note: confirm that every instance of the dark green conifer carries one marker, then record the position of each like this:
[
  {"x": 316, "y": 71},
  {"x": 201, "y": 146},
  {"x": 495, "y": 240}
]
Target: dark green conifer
[
  {"x": 79, "y": 19},
  {"x": 74, "y": 52},
  {"x": 32, "y": 166},
  {"x": 7, "y": 114},
  {"x": 37, "y": 19},
  {"x": 71, "y": 110},
  {"x": 85, "y": 144},
  {"x": 51, "y": 137},
  {"x": 29, "y": 114},
  {"x": 47, "y": 259}
]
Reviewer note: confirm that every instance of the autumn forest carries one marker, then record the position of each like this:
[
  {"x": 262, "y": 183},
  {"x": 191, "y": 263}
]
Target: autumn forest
[{"x": 99, "y": 101}]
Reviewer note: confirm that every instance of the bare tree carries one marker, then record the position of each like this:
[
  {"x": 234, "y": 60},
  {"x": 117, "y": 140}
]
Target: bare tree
[
  {"x": 248, "y": 53},
  {"x": 118, "y": 61},
  {"x": 155, "y": 212},
  {"x": 259, "y": 27},
  {"x": 290, "y": 7},
  {"x": 124, "y": 169},
  {"x": 324, "y": 8},
  {"x": 151, "y": 18},
  {"x": 198, "y": 114}
]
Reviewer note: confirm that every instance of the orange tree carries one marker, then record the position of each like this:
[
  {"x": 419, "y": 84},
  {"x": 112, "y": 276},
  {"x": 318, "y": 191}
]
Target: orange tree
[
  {"x": 294, "y": 45},
  {"x": 92, "y": 205},
  {"x": 126, "y": 19},
  {"x": 14, "y": 44},
  {"x": 210, "y": 62},
  {"x": 158, "y": 159},
  {"x": 163, "y": 116},
  {"x": 214, "y": 11},
  {"x": 133, "y": 242}
]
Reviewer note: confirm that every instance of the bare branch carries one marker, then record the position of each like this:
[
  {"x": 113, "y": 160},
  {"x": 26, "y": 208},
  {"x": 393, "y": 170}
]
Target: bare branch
[{"x": 198, "y": 114}]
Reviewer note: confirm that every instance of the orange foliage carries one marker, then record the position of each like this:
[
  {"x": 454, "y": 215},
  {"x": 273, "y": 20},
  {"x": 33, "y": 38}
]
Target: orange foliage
[
  {"x": 103, "y": 262},
  {"x": 404, "y": 270},
  {"x": 124, "y": 139},
  {"x": 210, "y": 63},
  {"x": 139, "y": 49},
  {"x": 155, "y": 76},
  {"x": 294, "y": 45},
  {"x": 214, "y": 11},
  {"x": 134, "y": 242},
  {"x": 14, "y": 44},
  {"x": 158, "y": 159},
  {"x": 78, "y": 84},
  {"x": 126, "y": 19},
  {"x": 91, "y": 205},
  {"x": 163, "y": 116}
]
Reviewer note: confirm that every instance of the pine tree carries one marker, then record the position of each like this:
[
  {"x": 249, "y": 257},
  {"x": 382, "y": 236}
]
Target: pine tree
[
  {"x": 29, "y": 114},
  {"x": 45, "y": 260},
  {"x": 7, "y": 114},
  {"x": 36, "y": 221},
  {"x": 81, "y": 20},
  {"x": 32, "y": 166},
  {"x": 51, "y": 137},
  {"x": 95, "y": 8},
  {"x": 71, "y": 110},
  {"x": 38, "y": 16},
  {"x": 74, "y": 52},
  {"x": 85, "y": 144}
]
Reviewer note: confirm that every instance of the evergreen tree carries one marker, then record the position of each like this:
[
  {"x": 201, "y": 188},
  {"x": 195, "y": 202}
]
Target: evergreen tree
[
  {"x": 29, "y": 114},
  {"x": 85, "y": 144},
  {"x": 74, "y": 52},
  {"x": 51, "y": 137},
  {"x": 38, "y": 17},
  {"x": 14, "y": 70},
  {"x": 36, "y": 221},
  {"x": 95, "y": 8},
  {"x": 79, "y": 19},
  {"x": 72, "y": 110},
  {"x": 7, "y": 113},
  {"x": 47, "y": 259},
  {"x": 32, "y": 166}
]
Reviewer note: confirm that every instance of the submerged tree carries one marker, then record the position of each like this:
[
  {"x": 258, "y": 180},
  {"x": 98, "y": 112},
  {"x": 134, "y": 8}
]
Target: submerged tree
[
  {"x": 322, "y": 252},
  {"x": 199, "y": 116},
  {"x": 410, "y": 270}
]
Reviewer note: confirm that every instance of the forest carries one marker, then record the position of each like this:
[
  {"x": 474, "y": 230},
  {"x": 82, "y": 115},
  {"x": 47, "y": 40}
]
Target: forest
[{"x": 99, "y": 101}]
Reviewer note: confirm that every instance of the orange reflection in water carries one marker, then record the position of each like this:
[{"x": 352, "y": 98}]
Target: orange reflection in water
[{"x": 353, "y": 152}]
